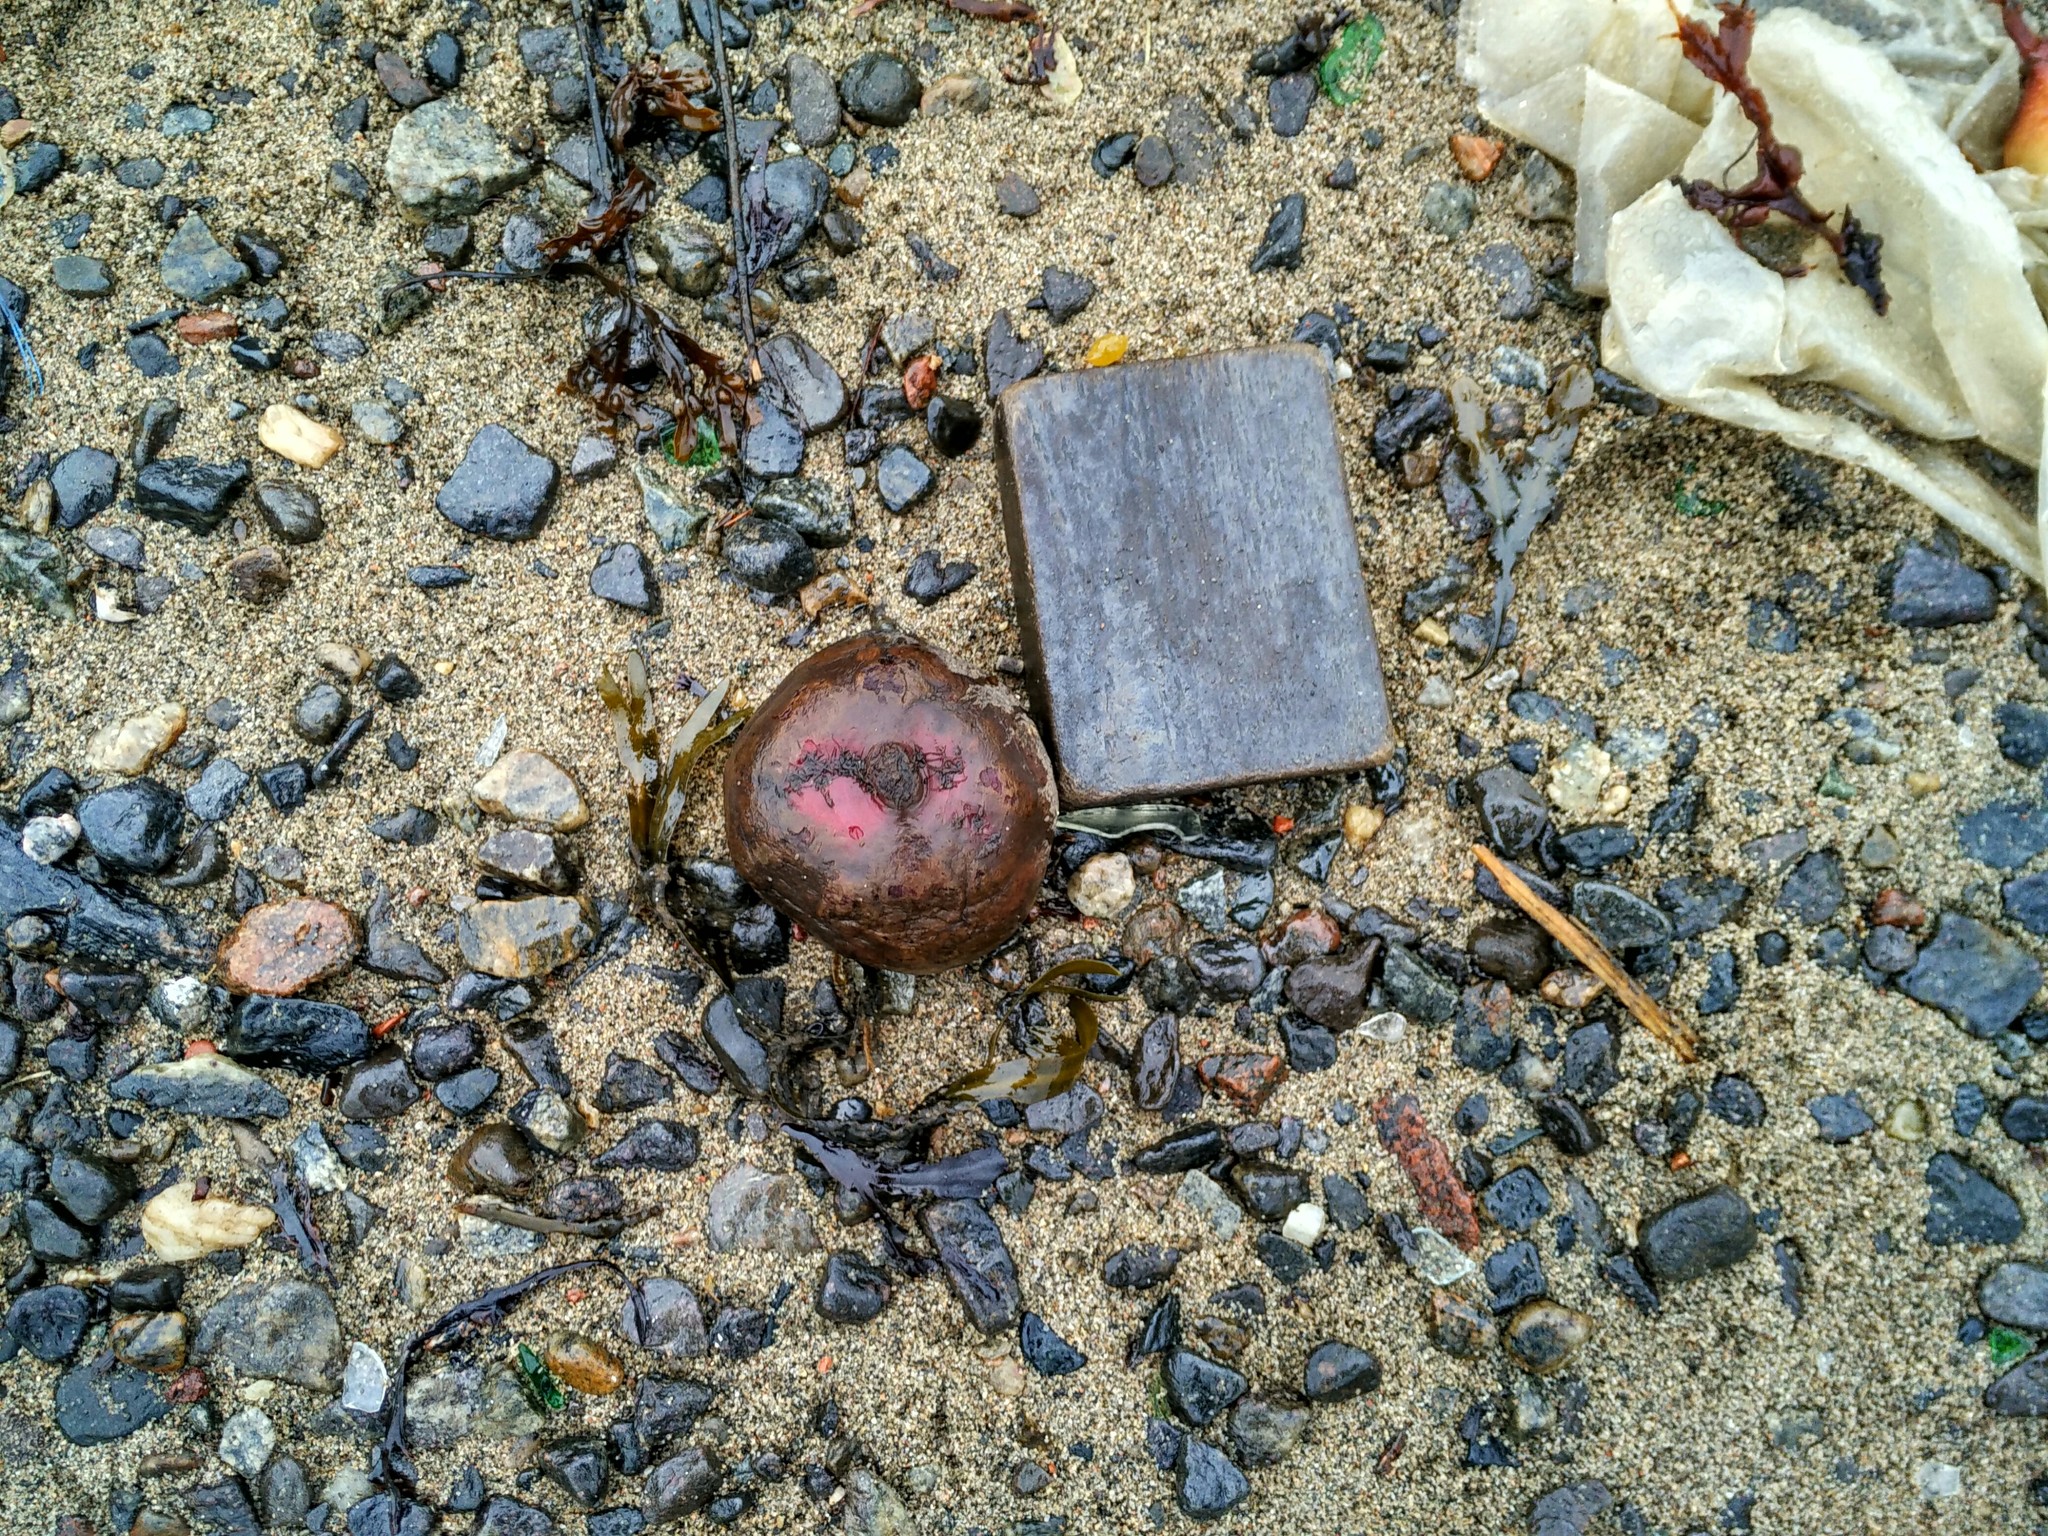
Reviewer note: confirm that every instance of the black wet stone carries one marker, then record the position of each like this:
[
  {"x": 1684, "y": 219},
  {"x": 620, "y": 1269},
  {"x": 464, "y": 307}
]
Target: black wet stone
[
  {"x": 902, "y": 479},
  {"x": 442, "y": 1050},
  {"x": 1965, "y": 1205},
  {"x": 1813, "y": 892},
  {"x": 1064, "y": 294},
  {"x": 1618, "y": 917},
  {"x": 1515, "y": 1275},
  {"x": 1415, "y": 987},
  {"x": 296, "y": 1032},
  {"x": 2025, "y": 1120},
  {"x": 102, "y": 1402},
  {"x": 953, "y": 425},
  {"x": 2022, "y": 729},
  {"x": 930, "y": 577},
  {"x": 666, "y": 1408},
  {"x": 1708, "y": 1231},
  {"x": 285, "y": 784},
  {"x": 1337, "y": 1372},
  {"x": 2005, "y": 834},
  {"x": 502, "y": 489},
  {"x": 631, "y": 1084},
  {"x": 1700, "y": 903},
  {"x": 1288, "y": 1261},
  {"x": 1193, "y": 1146},
  {"x": 667, "y": 1146},
  {"x": 1206, "y": 1485},
  {"x": 1139, "y": 1266},
  {"x": 1930, "y": 590},
  {"x": 188, "y": 493},
  {"x": 880, "y": 88},
  {"x": 1736, "y": 1101},
  {"x": 1589, "y": 850},
  {"x": 1199, "y": 1389},
  {"x": 624, "y": 576},
  {"x": 50, "y": 1321},
  {"x": 1517, "y": 1200},
  {"x": 1006, "y": 358},
  {"x": 290, "y": 513},
  {"x": 1112, "y": 154},
  {"x": 768, "y": 556},
  {"x": 1974, "y": 974},
  {"x": 1397, "y": 429},
  {"x": 83, "y": 483},
  {"x": 1840, "y": 1117},
  {"x": 774, "y": 446},
  {"x": 1288, "y": 99},
  {"x": 1044, "y": 1350},
  {"x": 88, "y": 1186},
  {"x": 1280, "y": 247},
  {"x": 133, "y": 828},
  {"x": 851, "y": 1290},
  {"x": 379, "y": 1088},
  {"x": 977, "y": 1264}
]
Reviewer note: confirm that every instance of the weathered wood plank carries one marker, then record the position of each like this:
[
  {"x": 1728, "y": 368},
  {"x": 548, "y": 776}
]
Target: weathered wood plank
[{"x": 1187, "y": 575}]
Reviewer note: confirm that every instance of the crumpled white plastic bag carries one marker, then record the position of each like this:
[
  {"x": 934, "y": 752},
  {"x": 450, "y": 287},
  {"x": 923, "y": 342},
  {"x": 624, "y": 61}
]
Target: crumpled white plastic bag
[{"x": 1889, "y": 118}]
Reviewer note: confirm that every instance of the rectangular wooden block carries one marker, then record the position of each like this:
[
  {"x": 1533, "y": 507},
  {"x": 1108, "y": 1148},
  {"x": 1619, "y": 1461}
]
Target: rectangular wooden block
[{"x": 1187, "y": 575}]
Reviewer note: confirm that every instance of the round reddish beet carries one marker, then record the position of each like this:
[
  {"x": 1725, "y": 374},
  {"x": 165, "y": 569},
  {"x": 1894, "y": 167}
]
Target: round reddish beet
[{"x": 897, "y": 807}]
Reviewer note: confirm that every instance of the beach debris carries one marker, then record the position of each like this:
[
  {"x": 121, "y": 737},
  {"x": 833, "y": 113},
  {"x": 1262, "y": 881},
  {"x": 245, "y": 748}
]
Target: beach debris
[
  {"x": 1894, "y": 119},
  {"x": 897, "y": 806},
  {"x": 1521, "y": 500}
]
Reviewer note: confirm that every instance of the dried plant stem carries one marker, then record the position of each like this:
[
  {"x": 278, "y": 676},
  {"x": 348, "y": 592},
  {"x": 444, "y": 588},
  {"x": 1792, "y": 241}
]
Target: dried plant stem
[
  {"x": 736, "y": 208},
  {"x": 1590, "y": 953}
]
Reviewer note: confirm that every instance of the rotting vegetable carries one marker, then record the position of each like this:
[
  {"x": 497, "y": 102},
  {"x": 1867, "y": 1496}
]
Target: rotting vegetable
[
  {"x": 898, "y": 807},
  {"x": 1518, "y": 501},
  {"x": 1723, "y": 57},
  {"x": 657, "y": 786}
]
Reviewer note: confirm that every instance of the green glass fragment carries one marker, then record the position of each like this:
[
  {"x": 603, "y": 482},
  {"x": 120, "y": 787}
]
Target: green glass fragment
[
  {"x": 1352, "y": 59},
  {"x": 706, "y": 454},
  {"x": 2006, "y": 1345},
  {"x": 542, "y": 1390},
  {"x": 1688, "y": 502}
]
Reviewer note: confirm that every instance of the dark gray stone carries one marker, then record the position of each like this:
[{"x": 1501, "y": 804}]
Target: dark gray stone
[
  {"x": 1974, "y": 974},
  {"x": 976, "y": 1262},
  {"x": 1965, "y": 1205},
  {"x": 1707, "y": 1231},
  {"x": 502, "y": 489},
  {"x": 1930, "y": 590}
]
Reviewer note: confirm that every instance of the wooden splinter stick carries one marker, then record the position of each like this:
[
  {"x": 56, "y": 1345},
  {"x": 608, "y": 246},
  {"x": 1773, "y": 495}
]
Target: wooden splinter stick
[{"x": 1588, "y": 951}]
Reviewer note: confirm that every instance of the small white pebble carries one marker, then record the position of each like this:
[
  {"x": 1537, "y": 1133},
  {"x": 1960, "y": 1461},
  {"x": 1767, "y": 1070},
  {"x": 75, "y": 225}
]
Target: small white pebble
[
  {"x": 1436, "y": 694},
  {"x": 46, "y": 839},
  {"x": 1939, "y": 1479},
  {"x": 1304, "y": 1224}
]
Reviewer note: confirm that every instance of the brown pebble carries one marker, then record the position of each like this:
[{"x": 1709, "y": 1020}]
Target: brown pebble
[
  {"x": 1444, "y": 1201},
  {"x": 1893, "y": 908},
  {"x": 283, "y": 947},
  {"x": 1545, "y": 1337},
  {"x": 1247, "y": 1080},
  {"x": 259, "y": 575},
  {"x": 1571, "y": 988},
  {"x": 584, "y": 1365},
  {"x": 204, "y": 325},
  {"x": 1476, "y": 155}
]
